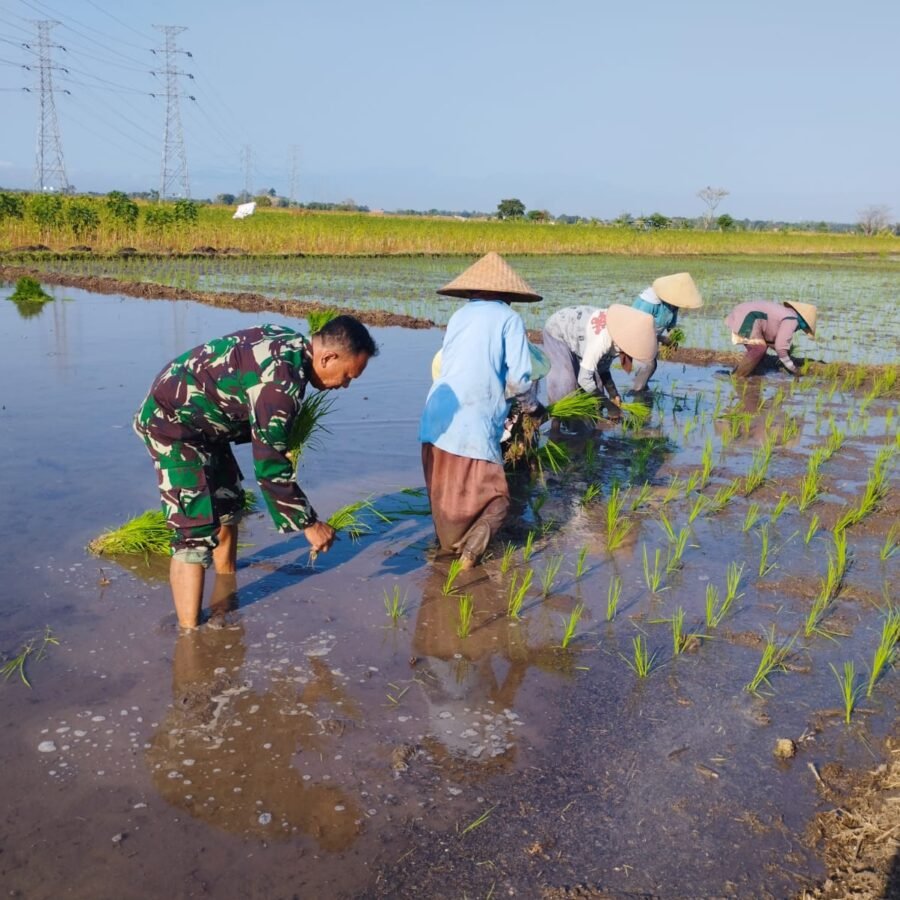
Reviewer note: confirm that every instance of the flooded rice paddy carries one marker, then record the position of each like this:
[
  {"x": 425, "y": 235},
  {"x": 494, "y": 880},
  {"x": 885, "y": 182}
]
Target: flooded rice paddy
[
  {"x": 857, "y": 296},
  {"x": 312, "y": 746}
]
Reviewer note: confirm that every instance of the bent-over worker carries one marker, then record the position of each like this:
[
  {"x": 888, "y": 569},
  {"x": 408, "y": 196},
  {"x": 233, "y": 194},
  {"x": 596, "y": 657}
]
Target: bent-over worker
[{"x": 760, "y": 324}]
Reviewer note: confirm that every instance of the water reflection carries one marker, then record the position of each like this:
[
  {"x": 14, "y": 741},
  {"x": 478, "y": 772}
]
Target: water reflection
[
  {"x": 230, "y": 747},
  {"x": 29, "y": 309}
]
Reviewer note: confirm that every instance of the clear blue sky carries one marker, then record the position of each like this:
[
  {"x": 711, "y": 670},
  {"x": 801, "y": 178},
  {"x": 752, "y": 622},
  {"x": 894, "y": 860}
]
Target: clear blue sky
[{"x": 578, "y": 106}]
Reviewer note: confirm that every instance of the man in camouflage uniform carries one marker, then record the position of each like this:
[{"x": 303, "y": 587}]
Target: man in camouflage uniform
[{"x": 244, "y": 387}]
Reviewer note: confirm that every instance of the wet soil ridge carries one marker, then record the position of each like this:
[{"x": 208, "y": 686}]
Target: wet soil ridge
[{"x": 243, "y": 301}]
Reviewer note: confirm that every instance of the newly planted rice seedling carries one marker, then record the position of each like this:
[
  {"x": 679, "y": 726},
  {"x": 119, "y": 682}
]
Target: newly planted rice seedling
[
  {"x": 641, "y": 662},
  {"x": 666, "y": 526},
  {"x": 617, "y": 526},
  {"x": 750, "y": 517},
  {"x": 516, "y": 593},
  {"x": 810, "y": 487},
  {"x": 691, "y": 484},
  {"x": 773, "y": 657},
  {"x": 790, "y": 429},
  {"x": 673, "y": 491},
  {"x": 641, "y": 497},
  {"x": 528, "y": 548},
  {"x": 394, "y": 604},
  {"x": 784, "y": 501},
  {"x": 758, "y": 468},
  {"x": 850, "y": 690},
  {"x": 613, "y": 594},
  {"x": 576, "y": 406},
  {"x": 506, "y": 560},
  {"x": 676, "y": 550},
  {"x": 706, "y": 463},
  {"x": 466, "y": 608},
  {"x": 144, "y": 534},
  {"x": 835, "y": 441},
  {"x": 570, "y": 625},
  {"x": 813, "y": 528},
  {"x": 679, "y": 639},
  {"x": 891, "y": 542},
  {"x": 548, "y": 579},
  {"x": 712, "y": 604},
  {"x": 884, "y": 652},
  {"x": 579, "y": 563},
  {"x": 764, "y": 566},
  {"x": 452, "y": 574},
  {"x": 652, "y": 575},
  {"x": 732, "y": 583},
  {"x": 700, "y": 504},
  {"x": 722, "y": 496},
  {"x": 591, "y": 492},
  {"x": 715, "y": 610}
]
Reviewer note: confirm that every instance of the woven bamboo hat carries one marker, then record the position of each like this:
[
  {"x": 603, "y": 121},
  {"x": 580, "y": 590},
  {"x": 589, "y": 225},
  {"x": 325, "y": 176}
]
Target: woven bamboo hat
[
  {"x": 808, "y": 311},
  {"x": 493, "y": 275},
  {"x": 632, "y": 331},
  {"x": 678, "y": 290}
]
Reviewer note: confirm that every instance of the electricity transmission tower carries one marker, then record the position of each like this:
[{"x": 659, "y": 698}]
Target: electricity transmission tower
[
  {"x": 174, "y": 174},
  {"x": 247, "y": 163},
  {"x": 49, "y": 169},
  {"x": 295, "y": 172}
]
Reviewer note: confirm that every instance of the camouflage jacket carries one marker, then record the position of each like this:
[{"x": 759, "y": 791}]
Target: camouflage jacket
[{"x": 246, "y": 386}]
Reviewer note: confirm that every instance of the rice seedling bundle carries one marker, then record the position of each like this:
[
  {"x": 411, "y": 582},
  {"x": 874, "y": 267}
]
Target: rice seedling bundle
[
  {"x": 578, "y": 405},
  {"x": 29, "y": 290},
  {"x": 145, "y": 534},
  {"x": 634, "y": 415},
  {"x": 308, "y": 425},
  {"x": 317, "y": 320}
]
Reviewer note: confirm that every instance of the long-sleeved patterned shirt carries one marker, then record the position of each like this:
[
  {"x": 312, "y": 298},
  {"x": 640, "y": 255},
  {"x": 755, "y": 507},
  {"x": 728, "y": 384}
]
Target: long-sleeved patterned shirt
[
  {"x": 583, "y": 330},
  {"x": 766, "y": 320},
  {"x": 246, "y": 386}
]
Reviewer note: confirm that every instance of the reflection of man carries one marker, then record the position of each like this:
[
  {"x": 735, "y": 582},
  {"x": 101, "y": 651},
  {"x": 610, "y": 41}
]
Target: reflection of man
[
  {"x": 226, "y": 745},
  {"x": 244, "y": 387}
]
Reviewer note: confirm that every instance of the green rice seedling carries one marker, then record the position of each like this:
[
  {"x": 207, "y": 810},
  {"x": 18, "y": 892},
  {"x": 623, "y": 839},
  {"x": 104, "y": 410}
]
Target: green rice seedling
[
  {"x": 712, "y": 605},
  {"x": 891, "y": 543},
  {"x": 834, "y": 442},
  {"x": 840, "y": 554},
  {"x": 772, "y": 660},
  {"x": 884, "y": 652},
  {"x": 617, "y": 526},
  {"x": 673, "y": 491},
  {"x": 145, "y": 534},
  {"x": 679, "y": 638},
  {"x": 813, "y": 528},
  {"x": 634, "y": 415},
  {"x": 570, "y": 625},
  {"x": 251, "y": 501},
  {"x": 784, "y": 501},
  {"x": 537, "y": 503},
  {"x": 850, "y": 690},
  {"x": 641, "y": 497},
  {"x": 590, "y": 455},
  {"x": 506, "y": 560},
  {"x": 452, "y": 574},
  {"x": 576, "y": 406},
  {"x": 548, "y": 579},
  {"x": 308, "y": 426},
  {"x": 666, "y": 526},
  {"x": 613, "y": 595},
  {"x": 652, "y": 576},
  {"x": 590, "y": 493},
  {"x": 689, "y": 426},
  {"x": 476, "y": 823},
  {"x": 789, "y": 430},
  {"x": 732, "y": 583},
  {"x": 676, "y": 550},
  {"x": 29, "y": 290},
  {"x": 706, "y": 463},
  {"x": 579, "y": 562},
  {"x": 553, "y": 456},
  {"x": 516, "y": 593},
  {"x": 466, "y": 608},
  {"x": 352, "y": 518},
  {"x": 641, "y": 662},
  {"x": 16, "y": 665},
  {"x": 317, "y": 320},
  {"x": 700, "y": 504},
  {"x": 811, "y": 486},
  {"x": 750, "y": 517},
  {"x": 690, "y": 484},
  {"x": 722, "y": 497},
  {"x": 764, "y": 566},
  {"x": 394, "y": 604},
  {"x": 528, "y": 548},
  {"x": 758, "y": 468}
]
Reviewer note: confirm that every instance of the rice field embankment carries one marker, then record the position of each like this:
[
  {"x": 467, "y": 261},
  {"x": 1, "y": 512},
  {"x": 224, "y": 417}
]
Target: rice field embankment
[{"x": 293, "y": 232}]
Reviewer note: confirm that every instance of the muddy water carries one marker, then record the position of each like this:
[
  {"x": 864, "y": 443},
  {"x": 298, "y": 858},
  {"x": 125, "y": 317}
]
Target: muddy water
[{"x": 313, "y": 746}]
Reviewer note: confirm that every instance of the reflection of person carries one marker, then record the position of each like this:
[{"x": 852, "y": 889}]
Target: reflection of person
[
  {"x": 760, "y": 324},
  {"x": 583, "y": 341},
  {"x": 662, "y": 300},
  {"x": 204, "y": 758},
  {"x": 246, "y": 386},
  {"x": 485, "y": 352}
]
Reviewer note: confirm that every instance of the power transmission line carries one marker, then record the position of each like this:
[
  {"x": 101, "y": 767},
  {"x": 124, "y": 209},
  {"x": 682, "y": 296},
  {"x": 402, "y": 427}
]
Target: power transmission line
[
  {"x": 247, "y": 163},
  {"x": 174, "y": 159},
  {"x": 295, "y": 173},
  {"x": 49, "y": 169}
]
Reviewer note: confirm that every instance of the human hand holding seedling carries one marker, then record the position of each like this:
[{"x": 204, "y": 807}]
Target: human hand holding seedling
[{"x": 320, "y": 536}]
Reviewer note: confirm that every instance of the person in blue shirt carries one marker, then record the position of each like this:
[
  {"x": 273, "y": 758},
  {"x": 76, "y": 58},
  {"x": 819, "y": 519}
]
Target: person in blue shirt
[
  {"x": 662, "y": 300},
  {"x": 484, "y": 359}
]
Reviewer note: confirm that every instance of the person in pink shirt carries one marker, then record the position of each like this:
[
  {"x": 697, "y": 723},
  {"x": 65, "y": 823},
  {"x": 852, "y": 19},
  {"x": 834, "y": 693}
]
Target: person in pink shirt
[{"x": 760, "y": 324}]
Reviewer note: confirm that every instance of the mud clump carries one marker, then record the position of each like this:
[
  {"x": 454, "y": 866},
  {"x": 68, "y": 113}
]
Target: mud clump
[
  {"x": 785, "y": 748},
  {"x": 401, "y": 756}
]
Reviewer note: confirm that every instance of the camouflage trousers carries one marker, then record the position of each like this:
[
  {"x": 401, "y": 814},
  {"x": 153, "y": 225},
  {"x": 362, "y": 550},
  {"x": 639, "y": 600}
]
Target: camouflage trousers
[{"x": 200, "y": 486}]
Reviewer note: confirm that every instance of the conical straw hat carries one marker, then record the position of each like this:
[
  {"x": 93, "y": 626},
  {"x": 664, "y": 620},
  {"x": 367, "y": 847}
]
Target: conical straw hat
[
  {"x": 632, "y": 331},
  {"x": 808, "y": 311},
  {"x": 492, "y": 274},
  {"x": 678, "y": 290}
]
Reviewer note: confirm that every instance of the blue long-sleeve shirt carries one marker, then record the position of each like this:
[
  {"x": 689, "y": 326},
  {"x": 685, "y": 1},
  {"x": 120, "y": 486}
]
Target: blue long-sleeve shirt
[
  {"x": 485, "y": 351},
  {"x": 664, "y": 315}
]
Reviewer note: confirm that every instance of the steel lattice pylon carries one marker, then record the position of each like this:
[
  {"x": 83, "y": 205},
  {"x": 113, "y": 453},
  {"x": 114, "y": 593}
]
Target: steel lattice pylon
[
  {"x": 49, "y": 168},
  {"x": 174, "y": 173}
]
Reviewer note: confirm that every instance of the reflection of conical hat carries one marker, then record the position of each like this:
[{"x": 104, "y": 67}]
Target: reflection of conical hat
[
  {"x": 492, "y": 274},
  {"x": 678, "y": 290},
  {"x": 632, "y": 331},
  {"x": 808, "y": 311}
]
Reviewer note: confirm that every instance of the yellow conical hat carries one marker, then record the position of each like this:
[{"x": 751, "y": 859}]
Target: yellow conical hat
[
  {"x": 632, "y": 331},
  {"x": 678, "y": 290},
  {"x": 492, "y": 274},
  {"x": 808, "y": 311}
]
